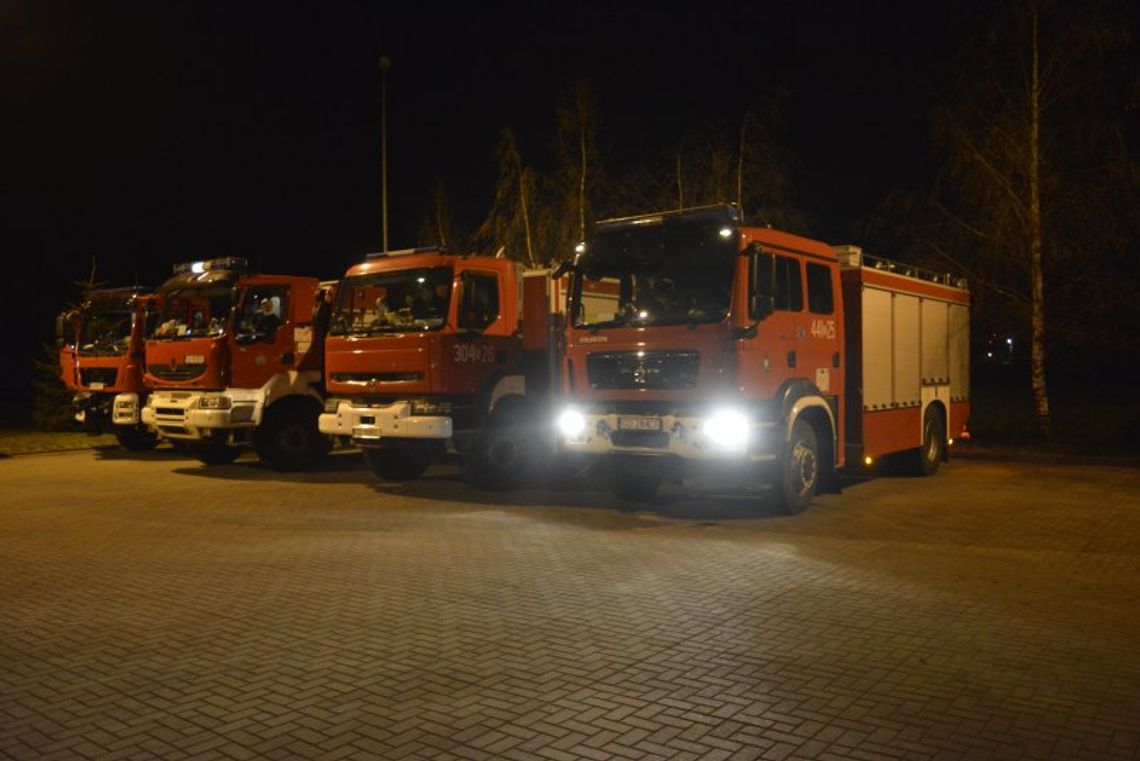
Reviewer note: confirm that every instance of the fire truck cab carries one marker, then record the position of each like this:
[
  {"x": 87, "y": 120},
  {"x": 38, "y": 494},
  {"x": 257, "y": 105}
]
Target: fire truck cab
[
  {"x": 430, "y": 351},
  {"x": 234, "y": 360},
  {"x": 101, "y": 360}
]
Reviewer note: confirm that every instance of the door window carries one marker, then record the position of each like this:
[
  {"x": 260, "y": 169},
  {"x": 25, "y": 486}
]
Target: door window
[
  {"x": 480, "y": 304},
  {"x": 263, "y": 311},
  {"x": 820, "y": 297},
  {"x": 779, "y": 277}
]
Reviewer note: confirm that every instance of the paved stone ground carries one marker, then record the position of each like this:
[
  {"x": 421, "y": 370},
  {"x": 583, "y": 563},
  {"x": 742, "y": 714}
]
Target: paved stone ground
[{"x": 153, "y": 608}]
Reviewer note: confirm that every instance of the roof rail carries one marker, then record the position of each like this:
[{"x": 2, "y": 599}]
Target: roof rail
[
  {"x": 852, "y": 257},
  {"x": 727, "y": 212}
]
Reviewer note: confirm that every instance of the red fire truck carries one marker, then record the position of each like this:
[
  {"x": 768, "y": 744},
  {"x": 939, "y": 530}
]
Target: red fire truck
[
  {"x": 430, "y": 351},
  {"x": 756, "y": 356},
  {"x": 101, "y": 360},
  {"x": 235, "y": 359}
]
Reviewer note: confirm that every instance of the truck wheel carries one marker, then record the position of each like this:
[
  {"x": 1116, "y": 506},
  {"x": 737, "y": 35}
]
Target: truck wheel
[
  {"x": 506, "y": 452},
  {"x": 799, "y": 472},
  {"x": 398, "y": 463},
  {"x": 136, "y": 439},
  {"x": 215, "y": 454},
  {"x": 290, "y": 440},
  {"x": 924, "y": 461}
]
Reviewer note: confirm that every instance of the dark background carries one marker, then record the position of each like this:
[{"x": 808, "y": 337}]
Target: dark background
[{"x": 140, "y": 135}]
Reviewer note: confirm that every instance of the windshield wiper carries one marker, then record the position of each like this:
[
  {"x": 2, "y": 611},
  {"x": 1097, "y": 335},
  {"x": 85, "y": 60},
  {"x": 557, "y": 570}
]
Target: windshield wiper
[{"x": 621, "y": 322}]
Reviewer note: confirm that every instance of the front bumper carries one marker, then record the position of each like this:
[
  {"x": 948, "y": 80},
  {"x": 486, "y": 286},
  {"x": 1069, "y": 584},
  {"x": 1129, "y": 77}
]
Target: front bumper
[
  {"x": 367, "y": 425},
  {"x": 98, "y": 411},
  {"x": 179, "y": 415},
  {"x": 669, "y": 435},
  {"x": 125, "y": 410}
]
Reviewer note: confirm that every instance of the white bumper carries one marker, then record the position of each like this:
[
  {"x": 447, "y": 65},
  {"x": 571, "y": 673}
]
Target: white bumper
[
  {"x": 668, "y": 435},
  {"x": 370, "y": 424},
  {"x": 180, "y": 414}
]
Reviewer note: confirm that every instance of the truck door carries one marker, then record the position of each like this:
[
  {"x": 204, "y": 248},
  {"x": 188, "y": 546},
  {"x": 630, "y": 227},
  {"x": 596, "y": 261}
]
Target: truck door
[
  {"x": 818, "y": 334},
  {"x": 776, "y": 301},
  {"x": 484, "y": 344},
  {"x": 262, "y": 336}
]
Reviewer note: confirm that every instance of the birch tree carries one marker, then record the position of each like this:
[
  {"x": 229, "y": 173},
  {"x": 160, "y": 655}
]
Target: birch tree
[
  {"x": 1024, "y": 144},
  {"x": 509, "y": 226}
]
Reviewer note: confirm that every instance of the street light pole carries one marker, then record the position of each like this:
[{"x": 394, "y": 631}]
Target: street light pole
[{"x": 385, "y": 65}]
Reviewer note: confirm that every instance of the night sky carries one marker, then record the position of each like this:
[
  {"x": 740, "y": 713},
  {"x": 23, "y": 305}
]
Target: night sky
[{"x": 143, "y": 134}]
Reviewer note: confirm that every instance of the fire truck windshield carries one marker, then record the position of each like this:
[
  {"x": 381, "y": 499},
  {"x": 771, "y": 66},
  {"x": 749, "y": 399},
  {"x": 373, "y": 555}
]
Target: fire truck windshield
[
  {"x": 392, "y": 302},
  {"x": 105, "y": 333},
  {"x": 665, "y": 275},
  {"x": 194, "y": 312}
]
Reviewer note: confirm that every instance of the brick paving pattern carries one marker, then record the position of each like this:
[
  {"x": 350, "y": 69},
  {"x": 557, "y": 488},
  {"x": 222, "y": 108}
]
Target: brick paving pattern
[{"x": 153, "y": 608}]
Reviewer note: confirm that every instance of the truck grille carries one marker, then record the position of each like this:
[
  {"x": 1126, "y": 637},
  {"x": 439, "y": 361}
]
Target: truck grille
[
  {"x": 176, "y": 373},
  {"x": 656, "y": 370},
  {"x": 104, "y": 375}
]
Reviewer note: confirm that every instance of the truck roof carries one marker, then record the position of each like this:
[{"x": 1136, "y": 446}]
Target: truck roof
[
  {"x": 779, "y": 239},
  {"x": 416, "y": 258}
]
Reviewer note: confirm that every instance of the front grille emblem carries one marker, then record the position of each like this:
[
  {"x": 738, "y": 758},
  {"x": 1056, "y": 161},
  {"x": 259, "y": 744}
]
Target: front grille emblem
[{"x": 640, "y": 374}]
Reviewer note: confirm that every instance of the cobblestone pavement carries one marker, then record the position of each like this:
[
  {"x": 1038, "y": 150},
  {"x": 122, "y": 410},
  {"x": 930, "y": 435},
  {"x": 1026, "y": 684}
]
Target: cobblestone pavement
[{"x": 150, "y": 607}]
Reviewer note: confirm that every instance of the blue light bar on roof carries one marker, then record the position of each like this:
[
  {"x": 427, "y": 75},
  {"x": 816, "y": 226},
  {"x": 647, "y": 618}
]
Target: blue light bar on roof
[{"x": 224, "y": 263}]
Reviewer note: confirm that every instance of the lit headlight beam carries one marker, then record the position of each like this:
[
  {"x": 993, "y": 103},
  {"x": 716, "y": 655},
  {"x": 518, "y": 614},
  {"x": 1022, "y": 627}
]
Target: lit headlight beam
[
  {"x": 571, "y": 423},
  {"x": 727, "y": 428}
]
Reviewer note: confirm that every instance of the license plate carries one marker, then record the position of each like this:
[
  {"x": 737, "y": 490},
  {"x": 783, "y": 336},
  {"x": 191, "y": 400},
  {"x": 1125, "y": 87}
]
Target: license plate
[
  {"x": 365, "y": 433},
  {"x": 627, "y": 423},
  {"x": 96, "y": 384}
]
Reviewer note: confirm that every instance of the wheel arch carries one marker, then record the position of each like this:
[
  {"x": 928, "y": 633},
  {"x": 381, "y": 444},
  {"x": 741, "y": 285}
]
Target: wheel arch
[
  {"x": 800, "y": 398},
  {"x": 938, "y": 398}
]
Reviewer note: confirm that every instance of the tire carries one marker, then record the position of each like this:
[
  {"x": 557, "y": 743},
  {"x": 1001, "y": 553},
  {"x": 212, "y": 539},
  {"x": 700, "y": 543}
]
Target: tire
[
  {"x": 401, "y": 462},
  {"x": 289, "y": 439},
  {"x": 508, "y": 451},
  {"x": 924, "y": 461},
  {"x": 799, "y": 472},
  {"x": 136, "y": 439},
  {"x": 215, "y": 454}
]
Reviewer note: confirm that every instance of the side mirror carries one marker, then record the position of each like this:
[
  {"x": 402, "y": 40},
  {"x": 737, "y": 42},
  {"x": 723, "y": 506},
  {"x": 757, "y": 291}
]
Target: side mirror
[
  {"x": 59, "y": 327},
  {"x": 563, "y": 267},
  {"x": 760, "y": 306}
]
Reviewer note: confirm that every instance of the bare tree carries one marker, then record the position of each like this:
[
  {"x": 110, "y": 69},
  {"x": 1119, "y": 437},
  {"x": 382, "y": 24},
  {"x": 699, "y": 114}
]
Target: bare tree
[
  {"x": 508, "y": 226},
  {"x": 437, "y": 226},
  {"x": 744, "y": 164},
  {"x": 1024, "y": 145},
  {"x": 576, "y": 146}
]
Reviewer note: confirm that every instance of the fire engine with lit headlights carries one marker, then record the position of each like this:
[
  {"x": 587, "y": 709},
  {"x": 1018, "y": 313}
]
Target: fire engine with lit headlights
[
  {"x": 235, "y": 359},
  {"x": 753, "y": 357},
  {"x": 431, "y": 352},
  {"x": 101, "y": 361}
]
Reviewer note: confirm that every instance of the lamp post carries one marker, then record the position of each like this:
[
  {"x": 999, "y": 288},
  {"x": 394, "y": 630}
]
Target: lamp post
[{"x": 384, "y": 65}]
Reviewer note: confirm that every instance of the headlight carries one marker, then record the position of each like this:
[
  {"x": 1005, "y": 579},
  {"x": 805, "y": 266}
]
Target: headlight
[
  {"x": 431, "y": 407},
  {"x": 572, "y": 423},
  {"x": 331, "y": 405},
  {"x": 728, "y": 429},
  {"x": 214, "y": 403}
]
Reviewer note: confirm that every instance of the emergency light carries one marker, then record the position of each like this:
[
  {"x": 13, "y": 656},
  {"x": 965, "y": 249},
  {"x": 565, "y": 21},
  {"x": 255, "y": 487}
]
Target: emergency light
[{"x": 205, "y": 265}]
